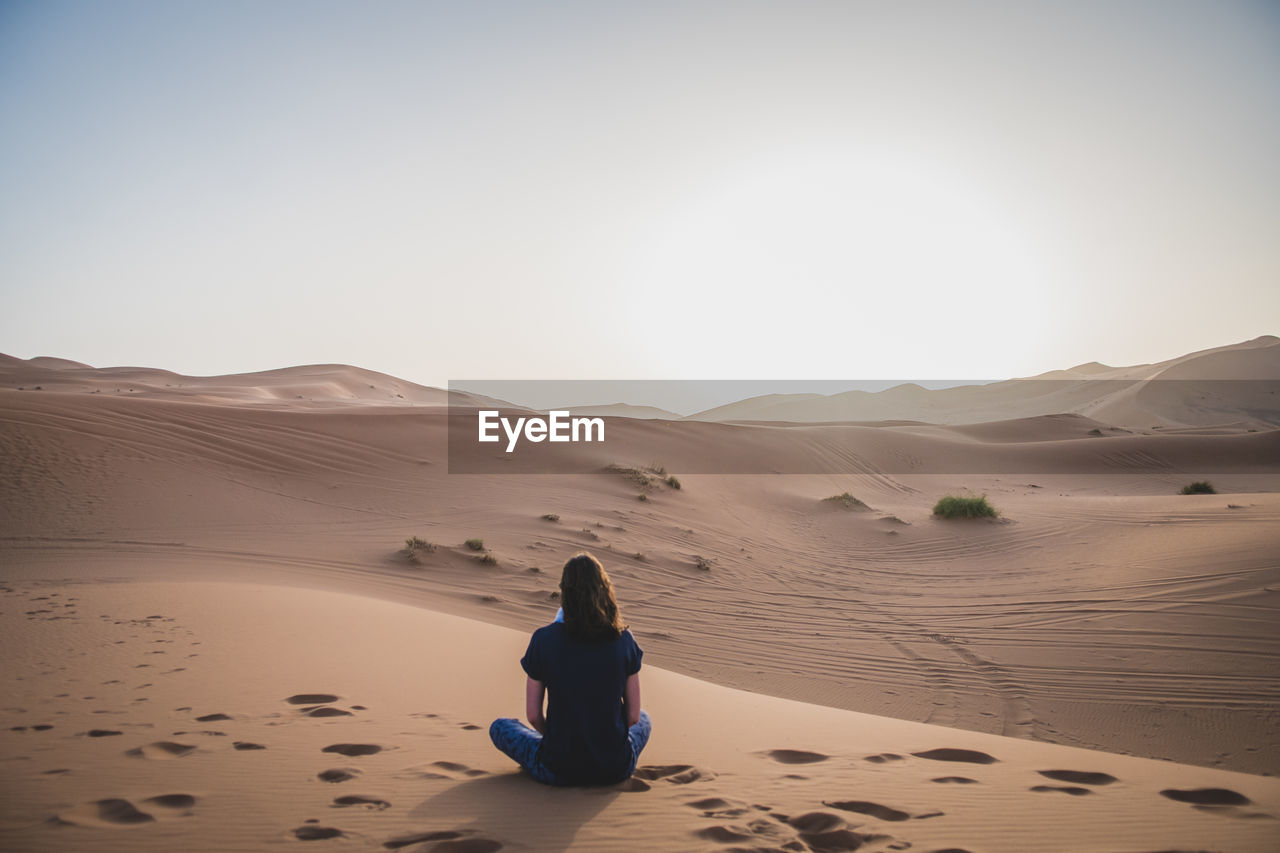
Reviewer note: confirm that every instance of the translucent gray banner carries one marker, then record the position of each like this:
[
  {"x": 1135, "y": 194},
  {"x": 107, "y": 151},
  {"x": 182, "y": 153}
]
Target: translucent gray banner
[{"x": 1075, "y": 424}]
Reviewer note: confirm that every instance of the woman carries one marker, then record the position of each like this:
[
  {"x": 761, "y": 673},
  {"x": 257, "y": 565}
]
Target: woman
[{"x": 588, "y": 669}]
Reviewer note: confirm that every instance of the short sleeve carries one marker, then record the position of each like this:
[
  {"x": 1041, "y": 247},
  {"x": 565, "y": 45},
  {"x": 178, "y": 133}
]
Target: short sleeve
[
  {"x": 531, "y": 663},
  {"x": 633, "y": 653}
]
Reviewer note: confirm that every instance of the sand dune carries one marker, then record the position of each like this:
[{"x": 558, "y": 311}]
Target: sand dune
[
  {"x": 308, "y": 386},
  {"x": 196, "y": 727},
  {"x": 1102, "y": 610},
  {"x": 1233, "y": 386}
]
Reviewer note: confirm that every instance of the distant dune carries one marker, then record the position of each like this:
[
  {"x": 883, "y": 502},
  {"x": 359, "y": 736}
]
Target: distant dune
[
  {"x": 1234, "y": 386},
  {"x": 627, "y": 410},
  {"x": 307, "y": 386}
]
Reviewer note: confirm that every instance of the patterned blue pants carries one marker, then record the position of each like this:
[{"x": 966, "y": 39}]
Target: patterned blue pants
[{"x": 521, "y": 744}]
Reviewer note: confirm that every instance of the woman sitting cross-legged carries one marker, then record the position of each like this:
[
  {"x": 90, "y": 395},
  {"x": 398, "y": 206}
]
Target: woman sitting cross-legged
[{"x": 588, "y": 669}]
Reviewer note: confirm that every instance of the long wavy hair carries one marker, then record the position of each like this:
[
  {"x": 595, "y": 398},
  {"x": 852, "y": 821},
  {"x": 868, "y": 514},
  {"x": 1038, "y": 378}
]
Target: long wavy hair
[{"x": 590, "y": 608}]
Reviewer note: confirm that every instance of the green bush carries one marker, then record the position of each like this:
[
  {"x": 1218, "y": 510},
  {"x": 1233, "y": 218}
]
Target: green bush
[
  {"x": 415, "y": 547},
  {"x": 1199, "y": 487},
  {"x": 964, "y": 506},
  {"x": 673, "y": 482},
  {"x": 488, "y": 559},
  {"x": 551, "y": 516},
  {"x": 847, "y": 501},
  {"x": 475, "y": 544}
]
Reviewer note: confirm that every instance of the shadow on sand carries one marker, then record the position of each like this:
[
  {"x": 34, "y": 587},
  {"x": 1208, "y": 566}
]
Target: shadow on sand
[{"x": 488, "y": 813}]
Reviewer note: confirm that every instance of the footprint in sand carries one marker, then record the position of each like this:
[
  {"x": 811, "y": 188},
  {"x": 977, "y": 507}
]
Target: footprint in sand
[
  {"x": 244, "y": 744},
  {"x": 958, "y": 780},
  {"x": 1207, "y": 797},
  {"x": 338, "y": 774},
  {"x": 455, "y": 767},
  {"x": 316, "y": 833},
  {"x": 372, "y": 803},
  {"x": 101, "y": 733},
  {"x": 1062, "y": 789},
  {"x": 111, "y": 812},
  {"x": 212, "y": 718},
  {"x": 676, "y": 774},
  {"x": 969, "y": 756},
  {"x": 873, "y": 809},
  {"x": 440, "y": 770},
  {"x": 1078, "y": 777},
  {"x": 117, "y": 812},
  {"x": 328, "y": 711},
  {"x": 421, "y": 838},
  {"x": 823, "y": 831},
  {"x": 718, "y": 807},
  {"x": 176, "y": 802},
  {"x": 883, "y": 757},
  {"x": 311, "y": 699},
  {"x": 724, "y": 834},
  {"x": 796, "y": 756},
  {"x": 161, "y": 750},
  {"x": 450, "y": 841},
  {"x": 353, "y": 749}
]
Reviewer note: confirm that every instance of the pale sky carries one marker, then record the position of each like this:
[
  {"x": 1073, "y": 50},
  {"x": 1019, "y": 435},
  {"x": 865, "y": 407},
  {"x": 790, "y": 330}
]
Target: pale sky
[{"x": 557, "y": 190}]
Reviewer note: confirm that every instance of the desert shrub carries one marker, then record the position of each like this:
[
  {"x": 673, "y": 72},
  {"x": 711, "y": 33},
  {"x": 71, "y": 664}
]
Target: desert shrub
[
  {"x": 632, "y": 475},
  {"x": 638, "y": 555},
  {"x": 488, "y": 559},
  {"x": 414, "y": 547},
  {"x": 702, "y": 563},
  {"x": 1199, "y": 487},
  {"x": 475, "y": 544},
  {"x": 673, "y": 482},
  {"x": 642, "y": 497},
  {"x": 964, "y": 506},
  {"x": 847, "y": 501},
  {"x": 551, "y": 516}
]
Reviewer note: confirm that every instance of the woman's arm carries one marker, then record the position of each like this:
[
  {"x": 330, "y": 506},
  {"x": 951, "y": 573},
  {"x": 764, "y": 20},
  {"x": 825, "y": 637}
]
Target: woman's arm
[
  {"x": 534, "y": 691},
  {"x": 631, "y": 699}
]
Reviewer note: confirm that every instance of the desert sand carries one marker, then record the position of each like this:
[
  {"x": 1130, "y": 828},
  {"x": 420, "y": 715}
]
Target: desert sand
[{"x": 205, "y": 589}]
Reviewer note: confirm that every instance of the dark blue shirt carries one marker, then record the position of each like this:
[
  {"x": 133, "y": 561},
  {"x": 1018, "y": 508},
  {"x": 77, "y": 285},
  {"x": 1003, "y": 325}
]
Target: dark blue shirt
[{"x": 585, "y": 741}]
